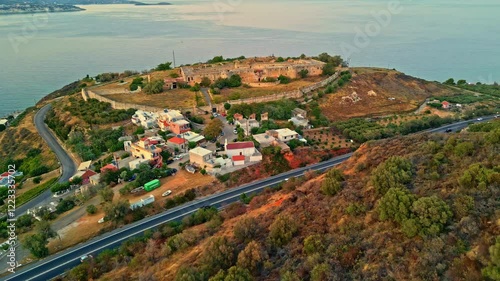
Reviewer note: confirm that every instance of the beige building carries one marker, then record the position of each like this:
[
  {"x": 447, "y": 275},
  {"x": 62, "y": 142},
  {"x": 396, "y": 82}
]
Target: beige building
[
  {"x": 284, "y": 135},
  {"x": 200, "y": 156},
  {"x": 146, "y": 148},
  {"x": 247, "y": 125},
  {"x": 252, "y": 70}
]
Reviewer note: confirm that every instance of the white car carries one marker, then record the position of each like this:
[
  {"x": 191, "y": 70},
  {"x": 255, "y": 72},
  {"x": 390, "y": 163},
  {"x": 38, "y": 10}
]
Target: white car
[
  {"x": 235, "y": 131},
  {"x": 167, "y": 193},
  {"x": 479, "y": 119},
  {"x": 85, "y": 257},
  {"x": 178, "y": 157},
  {"x": 101, "y": 220}
]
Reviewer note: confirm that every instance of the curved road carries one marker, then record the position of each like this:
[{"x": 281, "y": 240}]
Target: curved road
[
  {"x": 55, "y": 265},
  {"x": 67, "y": 163}
]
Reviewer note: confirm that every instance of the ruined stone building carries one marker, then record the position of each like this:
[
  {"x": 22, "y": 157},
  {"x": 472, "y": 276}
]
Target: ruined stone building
[{"x": 252, "y": 70}]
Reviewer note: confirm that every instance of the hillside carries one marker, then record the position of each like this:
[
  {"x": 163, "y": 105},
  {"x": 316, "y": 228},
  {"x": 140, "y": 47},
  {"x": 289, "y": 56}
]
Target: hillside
[
  {"x": 379, "y": 92},
  {"x": 420, "y": 207},
  {"x": 23, "y": 146}
]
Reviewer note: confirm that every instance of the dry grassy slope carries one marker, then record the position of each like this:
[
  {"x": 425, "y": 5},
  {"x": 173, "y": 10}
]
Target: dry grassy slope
[
  {"x": 15, "y": 142},
  {"x": 360, "y": 247},
  {"x": 368, "y": 93}
]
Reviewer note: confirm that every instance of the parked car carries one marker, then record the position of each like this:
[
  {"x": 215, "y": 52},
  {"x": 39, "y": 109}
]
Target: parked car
[
  {"x": 132, "y": 178},
  {"x": 449, "y": 130},
  {"x": 235, "y": 131},
  {"x": 178, "y": 157},
  {"x": 170, "y": 161},
  {"x": 190, "y": 169},
  {"x": 167, "y": 193},
  {"x": 101, "y": 220}
]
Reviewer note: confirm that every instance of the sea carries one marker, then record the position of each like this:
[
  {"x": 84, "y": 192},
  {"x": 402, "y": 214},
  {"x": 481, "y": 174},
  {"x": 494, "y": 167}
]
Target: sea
[{"x": 430, "y": 39}]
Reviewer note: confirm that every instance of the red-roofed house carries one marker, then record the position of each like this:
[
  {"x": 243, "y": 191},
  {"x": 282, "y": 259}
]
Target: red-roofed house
[
  {"x": 246, "y": 148},
  {"x": 86, "y": 176},
  {"x": 109, "y": 167},
  {"x": 238, "y": 160},
  {"x": 237, "y": 116},
  {"x": 177, "y": 142},
  {"x": 445, "y": 104}
]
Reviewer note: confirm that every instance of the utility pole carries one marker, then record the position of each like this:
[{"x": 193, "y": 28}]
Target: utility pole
[{"x": 173, "y": 53}]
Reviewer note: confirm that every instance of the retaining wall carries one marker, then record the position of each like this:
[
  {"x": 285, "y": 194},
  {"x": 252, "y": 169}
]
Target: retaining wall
[{"x": 87, "y": 93}]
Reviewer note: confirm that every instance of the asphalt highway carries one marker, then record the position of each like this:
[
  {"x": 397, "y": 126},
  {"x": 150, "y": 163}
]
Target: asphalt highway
[
  {"x": 67, "y": 163},
  {"x": 57, "y": 264}
]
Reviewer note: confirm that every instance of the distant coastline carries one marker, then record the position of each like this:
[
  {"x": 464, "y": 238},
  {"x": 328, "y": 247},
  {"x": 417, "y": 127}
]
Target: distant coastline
[
  {"x": 152, "y": 4},
  {"x": 33, "y": 8},
  {"x": 37, "y": 8}
]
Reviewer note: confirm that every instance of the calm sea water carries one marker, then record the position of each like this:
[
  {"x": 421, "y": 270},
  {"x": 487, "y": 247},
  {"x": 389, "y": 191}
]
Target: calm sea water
[{"x": 433, "y": 40}]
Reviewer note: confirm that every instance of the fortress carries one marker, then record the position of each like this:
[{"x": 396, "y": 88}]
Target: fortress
[{"x": 251, "y": 70}]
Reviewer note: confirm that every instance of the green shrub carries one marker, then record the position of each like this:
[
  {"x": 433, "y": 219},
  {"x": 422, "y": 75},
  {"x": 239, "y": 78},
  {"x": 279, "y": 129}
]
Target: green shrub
[
  {"x": 282, "y": 230},
  {"x": 91, "y": 209},
  {"x": 37, "y": 180}
]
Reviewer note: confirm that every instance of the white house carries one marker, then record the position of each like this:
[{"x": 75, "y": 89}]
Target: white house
[
  {"x": 145, "y": 119},
  {"x": 192, "y": 137},
  {"x": 4, "y": 122},
  {"x": 238, "y": 160}
]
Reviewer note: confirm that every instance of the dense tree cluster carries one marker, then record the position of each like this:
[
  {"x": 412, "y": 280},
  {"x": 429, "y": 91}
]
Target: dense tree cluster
[
  {"x": 213, "y": 129},
  {"x": 333, "y": 182},
  {"x": 393, "y": 173},
  {"x": 154, "y": 87},
  {"x": 233, "y": 81}
]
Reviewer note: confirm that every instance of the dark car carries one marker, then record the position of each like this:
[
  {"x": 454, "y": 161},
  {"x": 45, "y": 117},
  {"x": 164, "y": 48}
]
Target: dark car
[
  {"x": 132, "y": 178},
  {"x": 170, "y": 161},
  {"x": 449, "y": 130}
]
